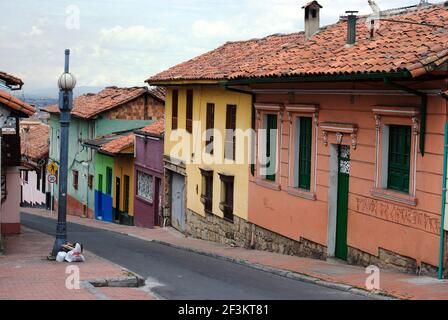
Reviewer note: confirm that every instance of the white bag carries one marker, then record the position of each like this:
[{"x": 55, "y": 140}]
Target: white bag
[
  {"x": 75, "y": 255},
  {"x": 61, "y": 256}
]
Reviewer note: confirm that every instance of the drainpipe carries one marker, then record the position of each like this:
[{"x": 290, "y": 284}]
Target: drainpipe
[
  {"x": 444, "y": 189},
  {"x": 423, "y": 109}
]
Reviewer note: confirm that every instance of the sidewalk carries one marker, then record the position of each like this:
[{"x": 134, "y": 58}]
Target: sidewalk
[
  {"x": 330, "y": 273},
  {"x": 26, "y": 274}
]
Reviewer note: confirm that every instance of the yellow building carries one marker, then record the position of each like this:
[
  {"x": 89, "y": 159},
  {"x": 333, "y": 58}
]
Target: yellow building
[{"x": 207, "y": 175}]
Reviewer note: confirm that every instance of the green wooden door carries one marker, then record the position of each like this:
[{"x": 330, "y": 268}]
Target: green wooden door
[{"x": 343, "y": 188}]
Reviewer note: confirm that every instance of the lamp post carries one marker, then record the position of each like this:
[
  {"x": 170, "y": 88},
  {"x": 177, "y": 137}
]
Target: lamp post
[{"x": 66, "y": 84}]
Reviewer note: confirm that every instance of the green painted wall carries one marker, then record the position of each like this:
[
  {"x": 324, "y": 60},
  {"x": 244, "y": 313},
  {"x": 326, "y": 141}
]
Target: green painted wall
[
  {"x": 83, "y": 159},
  {"x": 102, "y": 162}
]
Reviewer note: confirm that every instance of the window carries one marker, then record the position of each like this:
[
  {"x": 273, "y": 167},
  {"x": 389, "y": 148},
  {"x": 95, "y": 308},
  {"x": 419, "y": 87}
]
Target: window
[
  {"x": 229, "y": 152},
  {"x": 44, "y": 180},
  {"x": 38, "y": 180},
  {"x": 100, "y": 182},
  {"x": 271, "y": 147},
  {"x": 126, "y": 193},
  {"x": 144, "y": 186},
  {"x": 75, "y": 179},
  {"x": 90, "y": 182},
  {"x": 210, "y": 125},
  {"x": 109, "y": 181},
  {"x": 207, "y": 190},
  {"x": 175, "y": 109},
  {"x": 25, "y": 176},
  {"x": 399, "y": 158},
  {"x": 189, "y": 122},
  {"x": 226, "y": 204},
  {"x": 303, "y": 144}
]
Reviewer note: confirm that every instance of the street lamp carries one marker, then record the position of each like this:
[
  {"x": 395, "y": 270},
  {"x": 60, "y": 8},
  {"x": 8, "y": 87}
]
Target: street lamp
[{"x": 66, "y": 84}]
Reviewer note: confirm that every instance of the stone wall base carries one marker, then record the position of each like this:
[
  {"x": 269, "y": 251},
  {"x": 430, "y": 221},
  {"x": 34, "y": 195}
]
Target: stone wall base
[
  {"x": 247, "y": 235},
  {"x": 390, "y": 260}
]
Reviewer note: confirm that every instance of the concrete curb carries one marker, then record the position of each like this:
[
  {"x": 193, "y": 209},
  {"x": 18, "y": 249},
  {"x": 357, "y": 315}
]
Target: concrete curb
[
  {"x": 118, "y": 282},
  {"x": 286, "y": 273}
]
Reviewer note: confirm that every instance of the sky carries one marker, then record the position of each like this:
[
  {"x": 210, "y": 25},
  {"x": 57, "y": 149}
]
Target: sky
[{"x": 122, "y": 43}]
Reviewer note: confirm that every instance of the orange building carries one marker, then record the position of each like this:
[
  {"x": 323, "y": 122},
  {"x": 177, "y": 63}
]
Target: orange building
[{"x": 352, "y": 165}]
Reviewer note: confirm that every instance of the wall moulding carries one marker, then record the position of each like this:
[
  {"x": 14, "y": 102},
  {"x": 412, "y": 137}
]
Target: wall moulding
[{"x": 340, "y": 129}]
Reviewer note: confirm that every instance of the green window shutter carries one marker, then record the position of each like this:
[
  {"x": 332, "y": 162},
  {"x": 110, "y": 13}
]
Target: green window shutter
[
  {"x": 271, "y": 124},
  {"x": 305, "y": 153},
  {"x": 399, "y": 158}
]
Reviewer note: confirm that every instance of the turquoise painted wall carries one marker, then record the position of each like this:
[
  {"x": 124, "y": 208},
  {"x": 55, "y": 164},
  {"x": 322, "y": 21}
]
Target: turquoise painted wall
[{"x": 83, "y": 159}]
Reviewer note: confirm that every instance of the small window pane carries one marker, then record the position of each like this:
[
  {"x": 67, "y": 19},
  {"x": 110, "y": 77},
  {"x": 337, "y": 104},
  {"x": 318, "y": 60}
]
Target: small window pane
[{"x": 145, "y": 186}]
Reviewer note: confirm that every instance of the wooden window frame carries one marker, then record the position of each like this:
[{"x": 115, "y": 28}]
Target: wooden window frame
[
  {"x": 305, "y": 146},
  {"x": 400, "y": 137},
  {"x": 75, "y": 179},
  {"x": 210, "y": 125},
  {"x": 189, "y": 111},
  {"x": 207, "y": 190},
  {"x": 262, "y": 109},
  {"x": 126, "y": 193},
  {"x": 230, "y": 138},
  {"x": 175, "y": 109},
  {"x": 386, "y": 116},
  {"x": 90, "y": 181},
  {"x": 227, "y": 197}
]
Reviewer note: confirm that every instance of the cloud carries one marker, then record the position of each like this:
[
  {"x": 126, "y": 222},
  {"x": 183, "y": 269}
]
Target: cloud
[
  {"x": 35, "y": 31},
  {"x": 137, "y": 34}
]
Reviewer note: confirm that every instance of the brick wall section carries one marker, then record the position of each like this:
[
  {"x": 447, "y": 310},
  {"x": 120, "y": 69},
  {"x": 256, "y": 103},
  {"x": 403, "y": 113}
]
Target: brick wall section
[{"x": 136, "y": 109}]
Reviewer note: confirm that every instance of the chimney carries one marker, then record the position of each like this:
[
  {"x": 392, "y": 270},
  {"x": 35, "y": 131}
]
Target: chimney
[
  {"x": 312, "y": 18},
  {"x": 351, "y": 27}
]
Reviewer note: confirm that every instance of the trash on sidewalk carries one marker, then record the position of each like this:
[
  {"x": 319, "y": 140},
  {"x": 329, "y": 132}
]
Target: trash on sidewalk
[{"x": 71, "y": 253}]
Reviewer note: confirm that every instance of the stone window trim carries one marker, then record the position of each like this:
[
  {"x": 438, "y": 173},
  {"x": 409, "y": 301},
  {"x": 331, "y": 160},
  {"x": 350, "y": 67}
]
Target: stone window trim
[
  {"x": 295, "y": 111},
  {"x": 261, "y": 110},
  {"x": 224, "y": 206},
  {"x": 384, "y": 117}
]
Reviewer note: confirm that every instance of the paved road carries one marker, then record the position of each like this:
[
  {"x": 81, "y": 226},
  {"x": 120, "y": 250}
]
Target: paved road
[{"x": 185, "y": 275}]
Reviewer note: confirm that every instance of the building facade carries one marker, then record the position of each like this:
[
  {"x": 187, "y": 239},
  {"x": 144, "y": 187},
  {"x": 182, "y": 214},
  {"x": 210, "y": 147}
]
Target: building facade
[
  {"x": 149, "y": 195},
  {"x": 35, "y": 190},
  {"x": 11, "y": 110},
  {"x": 349, "y": 122},
  {"x": 113, "y": 110}
]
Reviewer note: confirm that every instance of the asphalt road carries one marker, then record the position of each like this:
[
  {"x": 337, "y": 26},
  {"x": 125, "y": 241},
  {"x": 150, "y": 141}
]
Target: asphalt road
[{"x": 182, "y": 275}]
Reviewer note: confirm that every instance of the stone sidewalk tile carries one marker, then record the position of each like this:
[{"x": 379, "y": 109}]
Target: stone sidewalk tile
[
  {"x": 399, "y": 285},
  {"x": 26, "y": 274}
]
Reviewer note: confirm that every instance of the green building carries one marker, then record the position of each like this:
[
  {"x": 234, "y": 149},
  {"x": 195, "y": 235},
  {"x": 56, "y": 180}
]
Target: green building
[{"x": 113, "y": 110}]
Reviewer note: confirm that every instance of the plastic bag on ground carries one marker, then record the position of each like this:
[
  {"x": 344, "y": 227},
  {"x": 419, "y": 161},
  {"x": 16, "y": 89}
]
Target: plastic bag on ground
[
  {"x": 61, "y": 256},
  {"x": 75, "y": 255}
]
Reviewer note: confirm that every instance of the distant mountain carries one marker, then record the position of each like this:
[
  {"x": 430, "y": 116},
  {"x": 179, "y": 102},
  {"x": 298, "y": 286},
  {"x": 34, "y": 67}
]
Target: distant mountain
[{"x": 52, "y": 93}]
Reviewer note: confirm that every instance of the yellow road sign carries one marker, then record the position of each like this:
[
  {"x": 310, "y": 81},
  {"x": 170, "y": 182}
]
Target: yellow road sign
[{"x": 52, "y": 168}]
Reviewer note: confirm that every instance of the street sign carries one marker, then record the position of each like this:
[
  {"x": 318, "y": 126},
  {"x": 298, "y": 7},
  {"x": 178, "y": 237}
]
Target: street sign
[
  {"x": 52, "y": 168},
  {"x": 52, "y": 178}
]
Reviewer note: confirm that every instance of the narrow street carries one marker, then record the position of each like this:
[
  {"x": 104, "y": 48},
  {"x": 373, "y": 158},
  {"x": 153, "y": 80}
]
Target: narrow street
[{"x": 178, "y": 274}]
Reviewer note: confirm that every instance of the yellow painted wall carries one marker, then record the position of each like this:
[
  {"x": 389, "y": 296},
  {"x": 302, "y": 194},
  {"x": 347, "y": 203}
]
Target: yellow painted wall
[
  {"x": 221, "y": 98},
  {"x": 124, "y": 165}
]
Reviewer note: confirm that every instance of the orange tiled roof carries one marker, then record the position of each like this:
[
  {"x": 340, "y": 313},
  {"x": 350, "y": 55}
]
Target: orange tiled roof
[
  {"x": 156, "y": 128},
  {"x": 34, "y": 140},
  {"x": 158, "y": 93},
  {"x": 117, "y": 145},
  {"x": 396, "y": 47},
  {"x": 16, "y": 104},
  {"x": 10, "y": 79},
  {"x": 90, "y": 105}
]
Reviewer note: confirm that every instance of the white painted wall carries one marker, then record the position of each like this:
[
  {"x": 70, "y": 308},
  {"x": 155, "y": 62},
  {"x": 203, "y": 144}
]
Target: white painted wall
[{"x": 30, "y": 194}]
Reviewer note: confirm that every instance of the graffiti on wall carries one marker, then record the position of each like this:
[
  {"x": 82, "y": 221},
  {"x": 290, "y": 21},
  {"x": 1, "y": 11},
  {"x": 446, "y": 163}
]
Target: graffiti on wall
[{"x": 398, "y": 214}]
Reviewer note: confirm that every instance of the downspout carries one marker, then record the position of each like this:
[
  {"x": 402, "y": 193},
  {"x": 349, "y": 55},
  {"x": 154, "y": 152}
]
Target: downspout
[
  {"x": 444, "y": 189},
  {"x": 423, "y": 109}
]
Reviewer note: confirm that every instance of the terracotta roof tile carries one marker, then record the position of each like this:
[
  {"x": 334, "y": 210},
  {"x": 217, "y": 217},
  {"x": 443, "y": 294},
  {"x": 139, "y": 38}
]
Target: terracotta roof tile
[
  {"x": 395, "y": 47},
  {"x": 157, "y": 128},
  {"x": 34, "y": 141},
  {"x": 158, "y": 93},
  {"x": 10, "y": 80},
  {"x": 16, "y": 104},
  {"x": 90, "y": 105},
  {"x": 119, "y": 144}
]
